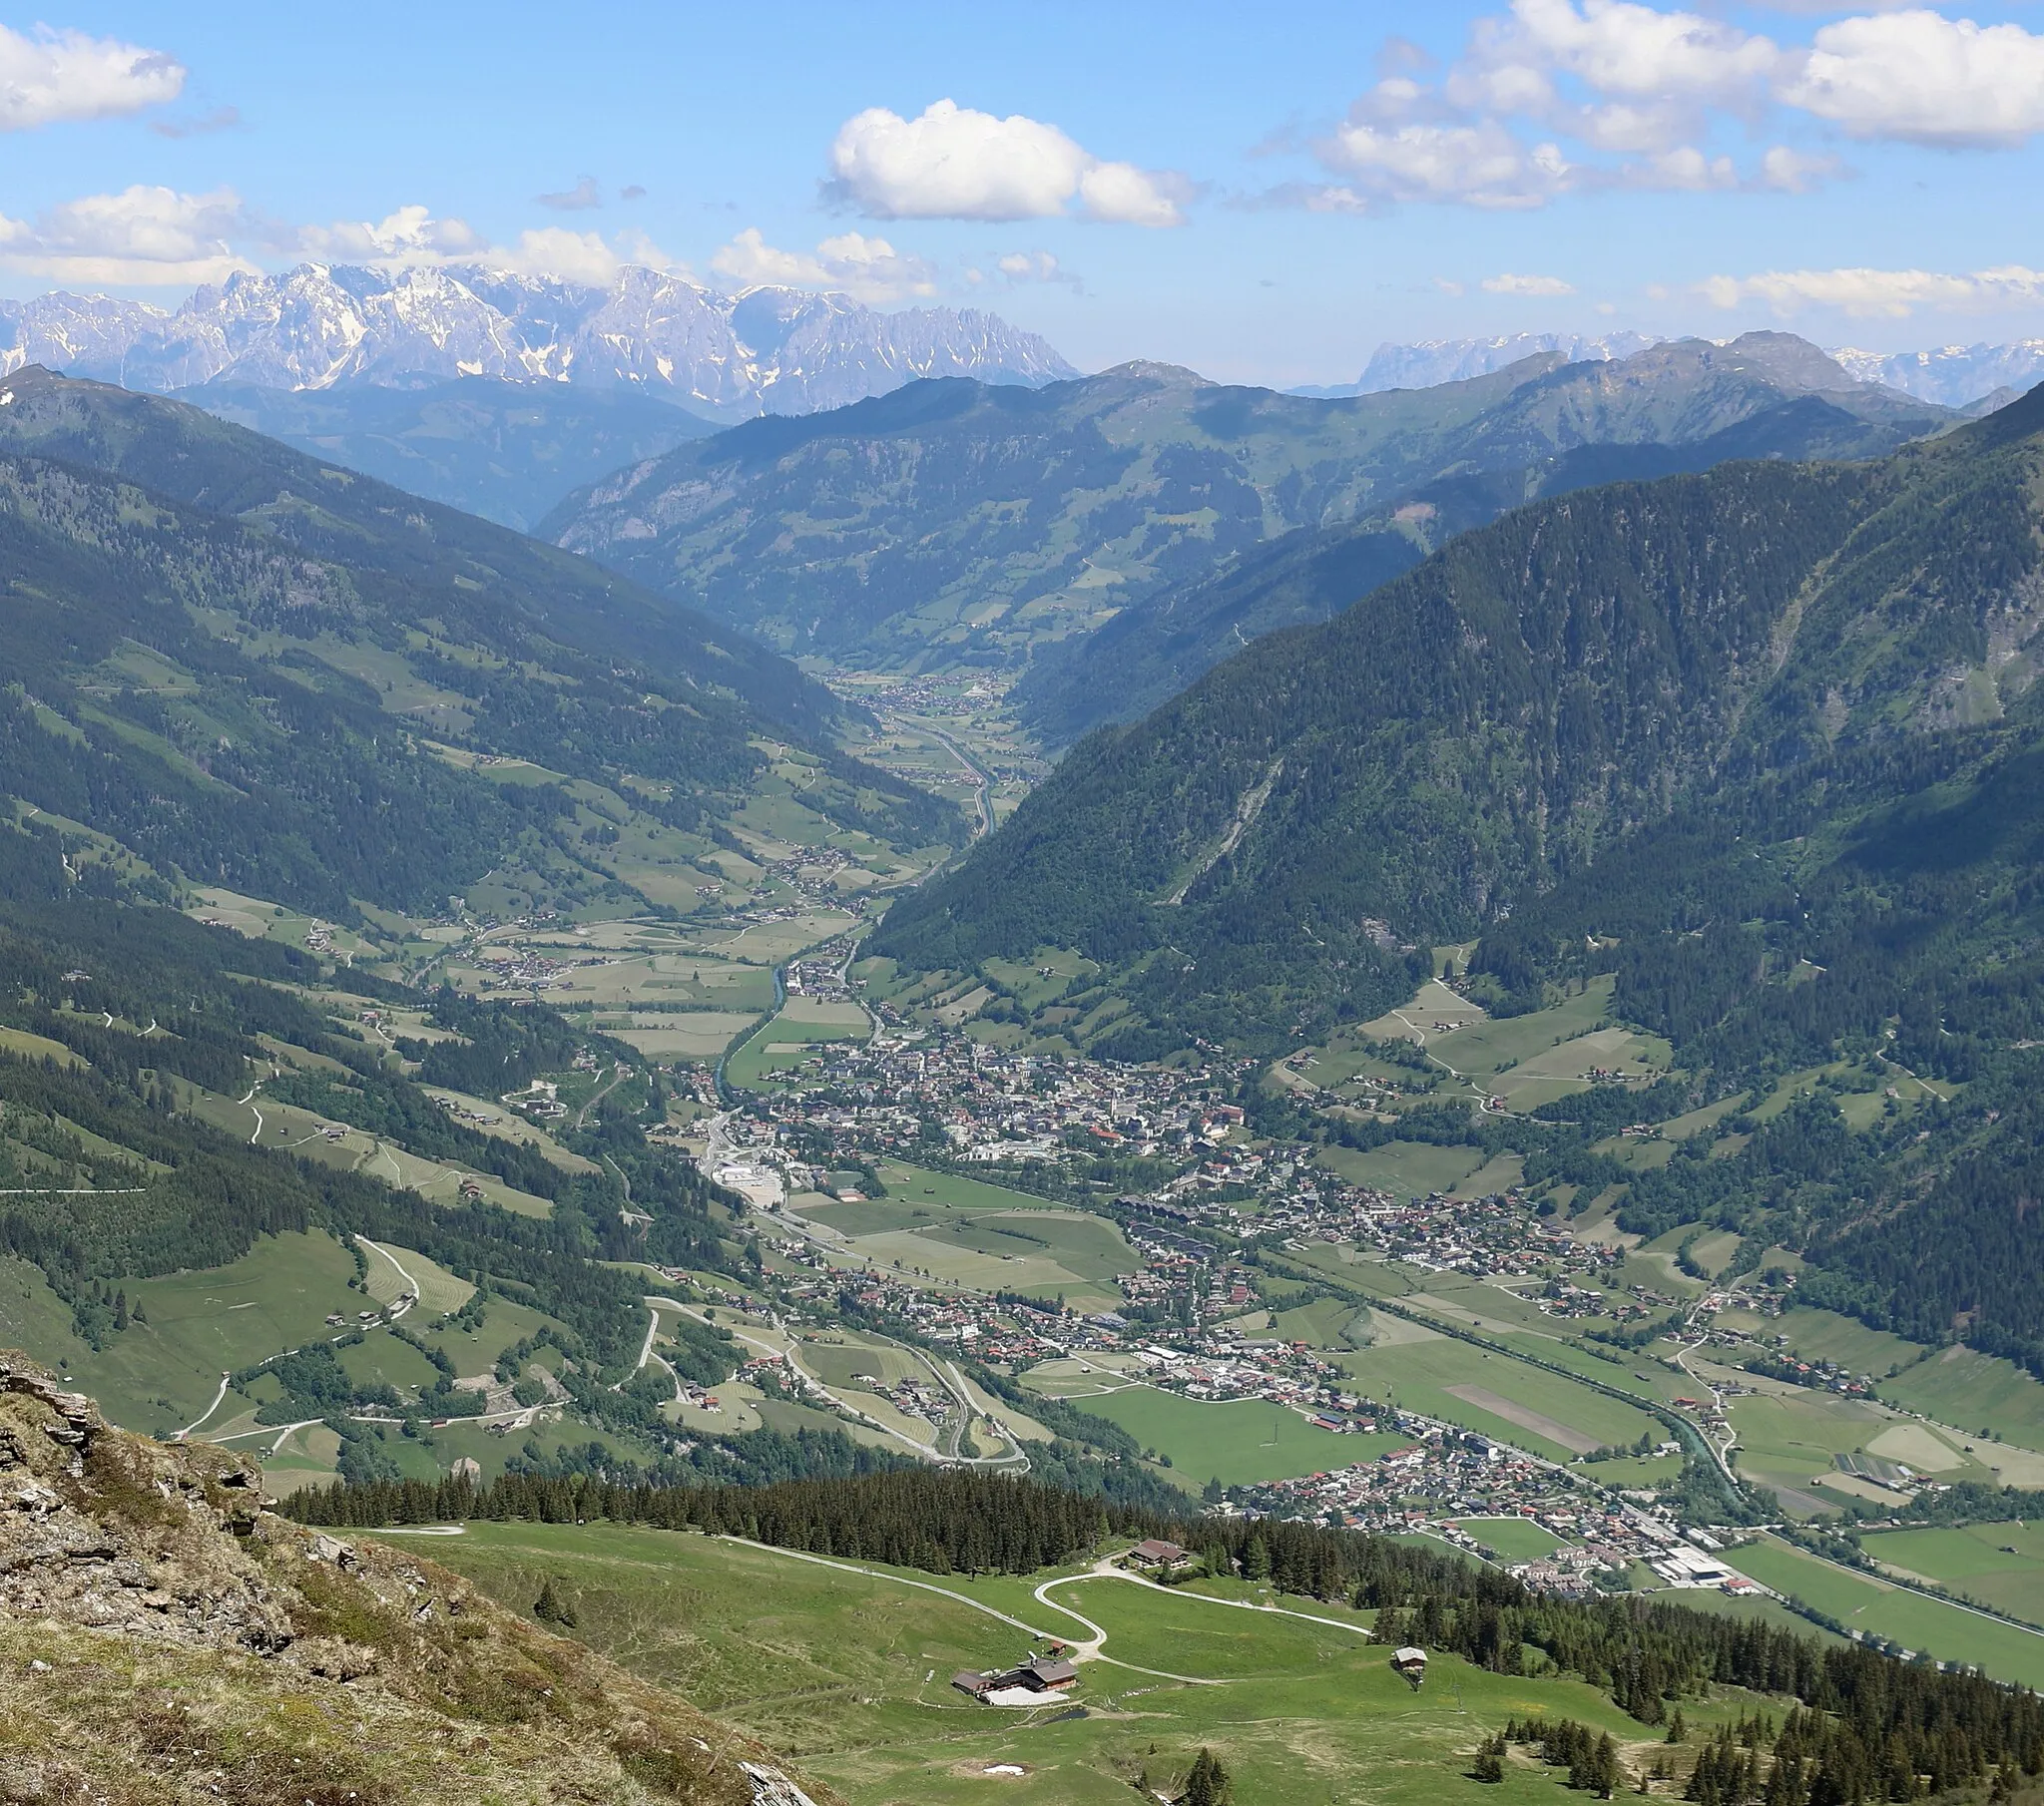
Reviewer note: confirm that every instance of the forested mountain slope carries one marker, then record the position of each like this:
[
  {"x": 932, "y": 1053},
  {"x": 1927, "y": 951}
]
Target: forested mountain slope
[
  {"x": 952, "y": 519},
  {"x": 508, "y": 451},
  {"x": 250, "y": 667},
  {"x": 1760, "y": 749},
  {"x": 1155, "y": 648},
  {"x": 1253, "y": 856}
]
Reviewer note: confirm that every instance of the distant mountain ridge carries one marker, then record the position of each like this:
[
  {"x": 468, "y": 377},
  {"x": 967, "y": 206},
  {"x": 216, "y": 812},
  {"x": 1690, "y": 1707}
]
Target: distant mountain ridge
[
  {"x": 730, "y": 356},
  {"x": 958, "y": 520},
  {"x": 1953, "y": 376},
  {"x": 508, "y": 451},
  {"x": 1438, "y": 360}
]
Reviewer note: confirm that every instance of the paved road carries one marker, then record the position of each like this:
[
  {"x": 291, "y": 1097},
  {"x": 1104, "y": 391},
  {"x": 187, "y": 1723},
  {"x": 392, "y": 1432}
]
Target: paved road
[
  {"x": 982, "y": 779},
  {"x": 412, "y": 1284},
  {"x": 207, "y": 1412}
]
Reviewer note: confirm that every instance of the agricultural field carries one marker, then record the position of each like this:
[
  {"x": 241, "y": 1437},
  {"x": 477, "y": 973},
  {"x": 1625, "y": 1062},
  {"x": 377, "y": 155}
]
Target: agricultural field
[
  {"x": 861, "y": 1662},
  {"x": 1403, "y": 1168},
  {"x": 966, "y": 1232},
  {"x": 1239, "y": 1442},
  {"x": 1866, "y": 1603},
  {"x": 1495, "y": 1395},
  {"x": 797, "y": 1033},
  {"x": 1817, "y": 1335},
  {"x": 1976, "y": 1392},
  {"x": 1792, "y": 1439},
  {"x": 1514, "y": 1539},
  {"x": 1039, "y": 1253},
  {"x": 1791, "y": 1436},
  {"x": 1997, "y": 1565}
]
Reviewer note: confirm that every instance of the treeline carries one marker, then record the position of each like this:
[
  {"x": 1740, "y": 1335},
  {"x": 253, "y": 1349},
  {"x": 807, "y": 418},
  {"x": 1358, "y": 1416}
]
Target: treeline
[
  {"x": 942, "y": 1521},
  {"x": 1866, "y": 1713}
]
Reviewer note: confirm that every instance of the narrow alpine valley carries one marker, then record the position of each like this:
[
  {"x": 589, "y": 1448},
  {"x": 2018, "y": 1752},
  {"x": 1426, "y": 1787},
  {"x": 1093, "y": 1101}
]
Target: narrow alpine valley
[{"x": 813, "y": 993}]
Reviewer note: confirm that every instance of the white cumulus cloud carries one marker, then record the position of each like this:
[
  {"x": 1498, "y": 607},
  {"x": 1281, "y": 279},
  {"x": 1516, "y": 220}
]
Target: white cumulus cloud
[
  {"x": 1527, "y": 285},
  {"x": 411, "y": 235},
  {"x": 867, "y": 270},
  {"x": 1480, "y": 164},
  {"x": 953, "y": 162},
  {"x": 138, "y": 238},
  {"x": 48, "y": 76},
  {"x": 1924, "y": 78},
  {"x": 1574, "y": 96},
  {"x": 1639, "y": 52},
  {"x": 1880, "y": 293}
]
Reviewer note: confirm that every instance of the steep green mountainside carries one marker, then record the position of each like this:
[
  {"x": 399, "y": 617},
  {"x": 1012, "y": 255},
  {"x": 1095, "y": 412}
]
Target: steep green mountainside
[
  {"x": 1155, "y": 648},
  {"x": 1252, "y": 857},
  {"x": 1759, "y": 749},
  {"x": 288, "y": 760},
  {"x": 416, "y": 560},
  {"x": 953, "y": 521},
  {"x": 246, "y": 667},
  {"x": 507, "y": 451}
]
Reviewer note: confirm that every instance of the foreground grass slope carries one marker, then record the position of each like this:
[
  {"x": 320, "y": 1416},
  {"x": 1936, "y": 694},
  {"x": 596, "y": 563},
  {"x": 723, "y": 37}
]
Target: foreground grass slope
[{"x": 850, "y": 1673}]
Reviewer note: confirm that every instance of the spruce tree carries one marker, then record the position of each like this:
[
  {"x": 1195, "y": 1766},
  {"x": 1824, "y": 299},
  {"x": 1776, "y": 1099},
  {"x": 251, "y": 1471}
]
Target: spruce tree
[
  {"x": 1208, "y": 1784},
  {"x": 551, "y": 1608}
]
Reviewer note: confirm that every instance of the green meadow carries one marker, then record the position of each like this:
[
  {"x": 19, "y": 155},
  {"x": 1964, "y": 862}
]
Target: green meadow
[
  {"x": 1237, "y": 1442},
  {"x": 1997, "y": 1565},
  {"x": 848, "y": 1674},
  {"x": 1876, "y": 1607}
]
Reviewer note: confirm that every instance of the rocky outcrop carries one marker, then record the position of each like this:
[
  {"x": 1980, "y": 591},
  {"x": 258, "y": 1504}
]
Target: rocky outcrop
[
  {"x": 103, "y": 1530},
  {"x": 165, "y": 1639}
]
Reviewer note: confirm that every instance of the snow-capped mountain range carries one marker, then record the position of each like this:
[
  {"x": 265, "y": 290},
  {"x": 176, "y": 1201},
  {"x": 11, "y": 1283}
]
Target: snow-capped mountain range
[
  {"x": 1952, "y": 376},
  {"x": 730, "y": 356}
]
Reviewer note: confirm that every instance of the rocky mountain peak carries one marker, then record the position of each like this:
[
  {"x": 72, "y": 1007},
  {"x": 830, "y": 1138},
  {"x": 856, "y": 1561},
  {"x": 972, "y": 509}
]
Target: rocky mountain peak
[{"x": 317, "y": 326}]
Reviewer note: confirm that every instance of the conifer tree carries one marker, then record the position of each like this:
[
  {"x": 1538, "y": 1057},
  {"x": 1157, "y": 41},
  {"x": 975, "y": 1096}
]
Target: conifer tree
[
  {"x": 1208, "y": 1784},
  {"x": 551, "y": 1608}
]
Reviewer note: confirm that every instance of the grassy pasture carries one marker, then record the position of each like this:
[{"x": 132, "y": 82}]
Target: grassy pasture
[
  {"x": 25, "y": 1046},
  {"x": 1999, "y": 1564},
  {"x": 789, "y": 1038},
  {"x": 1239, "y": 1442},
  {"x": 954, "y": 1191},
  {"x": 1867, "y": 1603},
  {"x": 1514, "y": 1539},
  {"x": 160, "y": 1375},
  {"x": 693, "y": 1035},
  {"x": 1403, "y": 1168},
  {"x": 953, "y": 1253},
  {"x": 848, "y": 1674},
  {"x": 1971, "y": 1391},
  {"x": 1824, "y": 1335}
]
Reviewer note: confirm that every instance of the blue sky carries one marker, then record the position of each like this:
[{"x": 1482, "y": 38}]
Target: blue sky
[{"x": 1262, "y": 192}]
